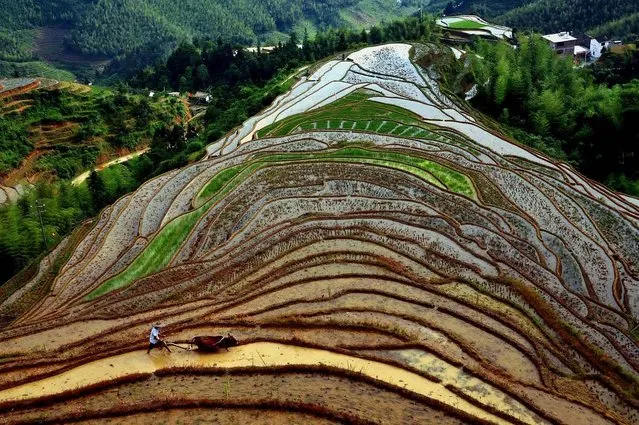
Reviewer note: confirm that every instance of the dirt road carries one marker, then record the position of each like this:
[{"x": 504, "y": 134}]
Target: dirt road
[{"x": 82, "y": 177}]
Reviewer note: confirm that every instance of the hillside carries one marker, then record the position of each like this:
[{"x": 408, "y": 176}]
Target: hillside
[
  {"x": 379, "y": 253},
  {"x": 71, "y": 34},
  {"x": 601, "y": 18},
  {"x": 479, "y": 7},
  {"x": 55, "y": 130},
  {"x": 574, "y": 15},
  {"x": 52, "y": 135},
  {"x": 625, "y": 27}
]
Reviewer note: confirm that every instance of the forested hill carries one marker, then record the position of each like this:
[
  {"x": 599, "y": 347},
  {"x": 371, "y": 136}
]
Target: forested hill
[
  {"x": 570, "y": 15},
  {"x": 601, "y": 18},
  {"x": 480, "y": 7},
  {"x": 16, "y": 15},
  {"x": 18, "y": 20},
  {"x": 626, "y": 27},
  {"x": 115, "y": 27}
]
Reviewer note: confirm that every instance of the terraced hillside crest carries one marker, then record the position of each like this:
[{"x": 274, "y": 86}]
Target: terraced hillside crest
[{"x": 382, "y": 256}]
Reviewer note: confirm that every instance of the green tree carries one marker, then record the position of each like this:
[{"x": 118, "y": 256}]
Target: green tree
[
  {"x": 341, "y": 43},
  {"x": 376, "y": 36},
  {"x": 202, "y": 76},
  {"x": 98, "y": 191}
]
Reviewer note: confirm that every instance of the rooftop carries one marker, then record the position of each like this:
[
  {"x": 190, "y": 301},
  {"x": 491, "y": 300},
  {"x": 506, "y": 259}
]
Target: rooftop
[
  {"x": 581, "y": 50},
  {"x": 559, "y": 37}
]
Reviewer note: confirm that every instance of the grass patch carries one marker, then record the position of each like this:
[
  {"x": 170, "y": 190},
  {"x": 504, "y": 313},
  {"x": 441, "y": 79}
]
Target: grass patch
[
  {"x": 155, "y": 257},
  {"x": 219, "y": 180},
  {"x": 167, "y": 242},
  {"x": 466, "y": 25},
  {"x": 356, "y": 107}
]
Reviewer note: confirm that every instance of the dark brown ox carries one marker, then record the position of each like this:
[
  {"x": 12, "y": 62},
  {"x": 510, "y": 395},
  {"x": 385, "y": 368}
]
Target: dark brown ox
[{"x": 214, "y": 343}]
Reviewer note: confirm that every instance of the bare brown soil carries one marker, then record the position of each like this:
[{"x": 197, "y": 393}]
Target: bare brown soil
[
  {"x": 327, "y": 395},
  {"x": 212, "y": 415},
  {"x": 25, "y": 171},
  {"x": 6, "y": 94}
]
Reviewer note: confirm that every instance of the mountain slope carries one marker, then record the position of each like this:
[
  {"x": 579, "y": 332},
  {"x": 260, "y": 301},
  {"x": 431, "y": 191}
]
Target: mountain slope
[
  {"x": 568, "y": 15},
  {"x": 480, "y": 7},
  {"x": 116, "y": 27},
  {"x": 380, "y": 255},
  {"x": 624, "y": 27},
  {"x": 614, "y": 18}
]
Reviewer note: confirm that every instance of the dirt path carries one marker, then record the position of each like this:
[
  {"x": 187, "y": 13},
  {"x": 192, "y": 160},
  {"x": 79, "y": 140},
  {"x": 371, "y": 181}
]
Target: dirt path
[
  {"x": 295, "y": 74},
  {"x": 260, "y": 354},
  {"x": 82, "y": 177}
]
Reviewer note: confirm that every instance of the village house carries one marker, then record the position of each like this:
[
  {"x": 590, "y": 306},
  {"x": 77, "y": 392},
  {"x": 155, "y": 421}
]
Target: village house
[
  {"x": 563, "y": 43},
  {"x": 581, "y": 54},
  {"x": 588, "y": 48},
  {"x": 581, "y": 47}
]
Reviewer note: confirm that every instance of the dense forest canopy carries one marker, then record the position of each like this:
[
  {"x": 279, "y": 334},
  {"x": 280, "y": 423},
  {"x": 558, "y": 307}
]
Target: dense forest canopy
[
  {"x": 117, "y": 27},
  {"x": 568, "y": 15},
  {"x": 626, "y": 27},
  {"x": 562, "y": 110},
  {"x": 18, "y": 19},
  {"x": 600, "y": 18}
]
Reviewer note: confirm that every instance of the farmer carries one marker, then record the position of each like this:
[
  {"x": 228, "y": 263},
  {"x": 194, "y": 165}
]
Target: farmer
[{"x": 155, "y": 340}]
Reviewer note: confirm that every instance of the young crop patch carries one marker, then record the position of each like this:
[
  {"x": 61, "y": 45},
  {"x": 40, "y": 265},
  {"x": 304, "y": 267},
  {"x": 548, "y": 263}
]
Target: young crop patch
[
  {"x": 353, "y": 108},
  {"x": 466, "y": 25}
]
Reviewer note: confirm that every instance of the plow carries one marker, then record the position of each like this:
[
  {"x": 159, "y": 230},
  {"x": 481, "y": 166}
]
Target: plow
[{"x": 208, "y": 344}]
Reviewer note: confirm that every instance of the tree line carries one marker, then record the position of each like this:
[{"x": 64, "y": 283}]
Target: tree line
[
  {"x": 561, "y": 110},
  {"x": 208, "y": 64}
]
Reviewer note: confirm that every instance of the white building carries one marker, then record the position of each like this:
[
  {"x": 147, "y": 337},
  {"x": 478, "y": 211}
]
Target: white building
[
  {"x": 563, "y": 43},
  {"x": 595, "y": 49}
]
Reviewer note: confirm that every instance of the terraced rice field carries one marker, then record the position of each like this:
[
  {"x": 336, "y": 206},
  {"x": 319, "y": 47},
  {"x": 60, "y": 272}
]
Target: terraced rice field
[
  {"x": 379, "y": 254},
  {"x": 474, "y": 25},
  {"x": 13, "y": 86}
]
